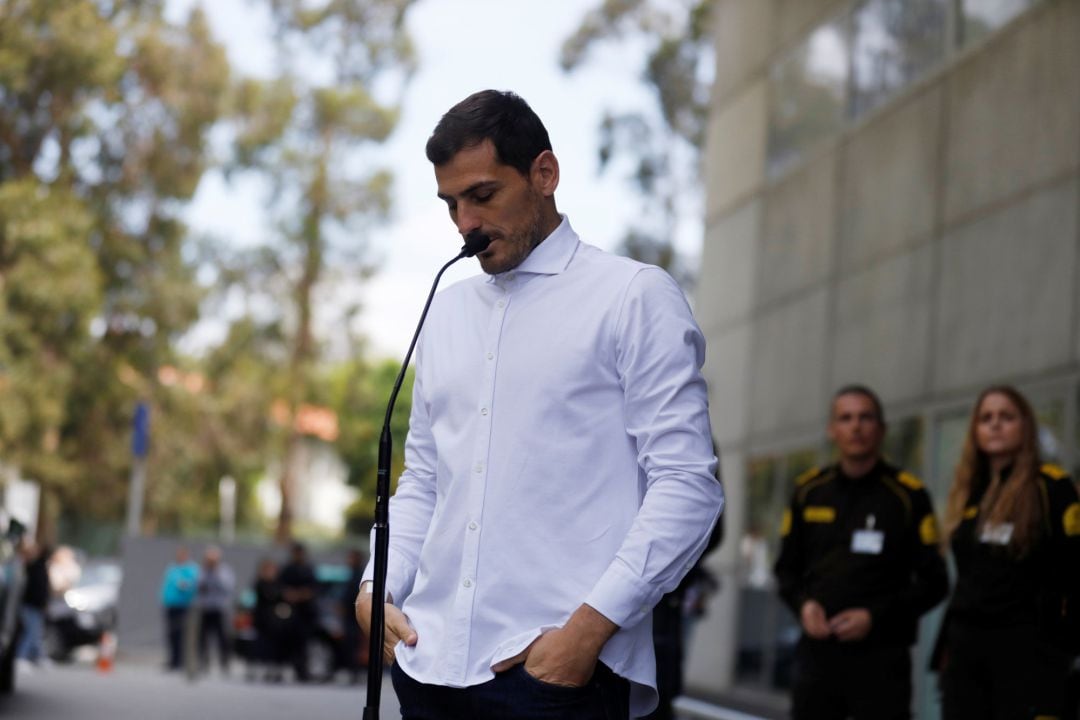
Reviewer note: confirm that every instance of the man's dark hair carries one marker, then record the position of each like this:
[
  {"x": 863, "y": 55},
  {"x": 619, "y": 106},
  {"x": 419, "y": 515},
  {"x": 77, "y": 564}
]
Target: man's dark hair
[
  {"x": 502, "y": 117},
  {"x": 866, "y": 392}
]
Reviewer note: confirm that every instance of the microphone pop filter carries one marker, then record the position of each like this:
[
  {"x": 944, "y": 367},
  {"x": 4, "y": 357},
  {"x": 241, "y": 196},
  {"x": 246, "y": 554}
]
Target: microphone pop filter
[{"x": 475, "y": 242}]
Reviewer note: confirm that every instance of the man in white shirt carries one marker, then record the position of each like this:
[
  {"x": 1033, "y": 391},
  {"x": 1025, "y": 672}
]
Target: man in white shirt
[{"x": 560, "y": 474}]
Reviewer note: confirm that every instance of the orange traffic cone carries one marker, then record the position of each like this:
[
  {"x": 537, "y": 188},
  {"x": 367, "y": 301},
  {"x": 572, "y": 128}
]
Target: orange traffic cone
[{"x": 106, "y": 652}]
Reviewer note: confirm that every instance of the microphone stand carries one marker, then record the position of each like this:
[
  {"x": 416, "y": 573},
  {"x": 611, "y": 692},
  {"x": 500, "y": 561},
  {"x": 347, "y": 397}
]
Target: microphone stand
[{"x": 475, "y": 242}]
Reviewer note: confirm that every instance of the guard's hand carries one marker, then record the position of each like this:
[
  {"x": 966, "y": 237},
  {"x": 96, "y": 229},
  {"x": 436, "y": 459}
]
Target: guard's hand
[
  {"x": 396, "y": 624},
  {"x": 849, "y": 625},
  {"x": 812, "y": 617},
  {"x": 566, "y": 656}
]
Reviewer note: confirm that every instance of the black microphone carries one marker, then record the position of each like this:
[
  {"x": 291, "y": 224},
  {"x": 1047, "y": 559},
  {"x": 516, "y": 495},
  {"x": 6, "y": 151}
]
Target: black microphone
[{"x": 475, "y": 242}]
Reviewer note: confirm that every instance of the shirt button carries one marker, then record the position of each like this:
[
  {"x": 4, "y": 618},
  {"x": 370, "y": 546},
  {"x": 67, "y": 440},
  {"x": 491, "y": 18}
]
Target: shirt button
[
  {"x": 501, "y": 303},
  {"x": 491, "y": 356},
  {"x": 479, "y": 467},
  {"x": 483, "y": 411},
  {"x": 473, "y": 525},
  {"x": 510, "y": 277},
  {"x": 467, "y": 582}
]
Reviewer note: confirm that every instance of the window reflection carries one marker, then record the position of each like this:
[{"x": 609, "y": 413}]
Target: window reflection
[
  {"x": 980, "y": 17},
  {"x": 894, "y": 42},
  {"x": 808, "y": 90}
]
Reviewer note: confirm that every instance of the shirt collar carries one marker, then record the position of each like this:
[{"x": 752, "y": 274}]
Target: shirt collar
[{"x": 551, "y": 256}]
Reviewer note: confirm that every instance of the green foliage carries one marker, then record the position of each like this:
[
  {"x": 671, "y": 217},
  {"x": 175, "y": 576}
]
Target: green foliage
[
  {"x": 307, "y": 135},
  {"x": 659, "y": 145},
  {"x": 106, "y": 110}
]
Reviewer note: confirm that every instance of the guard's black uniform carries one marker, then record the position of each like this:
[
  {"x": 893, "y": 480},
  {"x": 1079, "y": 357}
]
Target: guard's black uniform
[
  {"x": 1012, "y": 622},
  {"x": 869, "y": 542}
]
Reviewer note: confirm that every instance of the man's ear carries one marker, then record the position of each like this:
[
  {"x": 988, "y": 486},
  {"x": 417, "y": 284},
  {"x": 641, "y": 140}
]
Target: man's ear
[{"x": 544, "y": 173}]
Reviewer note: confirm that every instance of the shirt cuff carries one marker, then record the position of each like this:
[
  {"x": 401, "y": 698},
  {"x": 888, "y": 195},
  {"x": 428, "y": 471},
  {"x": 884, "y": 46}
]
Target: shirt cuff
[{"x": 622, "y": 596}]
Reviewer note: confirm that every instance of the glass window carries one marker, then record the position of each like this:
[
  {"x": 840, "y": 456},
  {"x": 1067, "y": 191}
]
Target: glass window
[
  {"x": 1051, "y": 417},
  {"x": 894, "y": 42},
  {"x": 767, "y": 631},
  {"x": 904, "y": 443},
  {"x": 807, "y": 90},
  {"x": 980, "y": 17}
]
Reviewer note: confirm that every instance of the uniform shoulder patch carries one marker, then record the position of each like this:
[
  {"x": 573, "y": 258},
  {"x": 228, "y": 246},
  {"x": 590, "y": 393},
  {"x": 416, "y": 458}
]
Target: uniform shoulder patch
[
  {"x": 928, "y": 530},
  {"x": 1071, "y": 520},
  {"x": 785, "y": 523},
  {"x": 1054, "y": 472},
  {"x": 807, "y": 476},
  {"x": 909, "y": 481}
]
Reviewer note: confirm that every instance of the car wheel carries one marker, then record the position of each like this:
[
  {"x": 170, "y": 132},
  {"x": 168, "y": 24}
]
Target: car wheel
[
  {"x": 55, "y": 647},
  {"x": 7, "y": 671}
]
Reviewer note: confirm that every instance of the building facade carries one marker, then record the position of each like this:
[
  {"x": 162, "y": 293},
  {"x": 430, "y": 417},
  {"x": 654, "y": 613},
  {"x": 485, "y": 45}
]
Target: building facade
[{"x": 892, "y": 199}]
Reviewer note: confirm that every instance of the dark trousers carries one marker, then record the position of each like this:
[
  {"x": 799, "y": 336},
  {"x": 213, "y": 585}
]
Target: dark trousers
[
  {"x": 175, "y": 619},
  {"x": 516, "y": 695},
  {"x": 1001, "y": 674},
  {"x": 212, "y": 625},
  {"x": 836, "y": 681}
]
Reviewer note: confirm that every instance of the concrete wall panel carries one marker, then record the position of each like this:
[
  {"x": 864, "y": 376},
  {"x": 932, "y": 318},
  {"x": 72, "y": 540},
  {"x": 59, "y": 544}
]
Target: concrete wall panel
[
  {"x": 888, "y": 184},
  {"x": 725, "y": 289},
  {"x": 735, "y": 149},
  {"x": 882, "y": 326},
  {"x": 743, "y": 41},
  {"x": 788, "y": 365},
  {"x": 1007, "y": 291},
  {"x": 727, "y": 367},
  {"x": 797, "y": 231},
  {"x": 1014, "y": 111}
]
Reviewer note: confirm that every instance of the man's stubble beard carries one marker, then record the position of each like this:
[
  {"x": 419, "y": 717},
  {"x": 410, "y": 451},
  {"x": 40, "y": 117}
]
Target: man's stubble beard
[{"x": 522, "y": 243}]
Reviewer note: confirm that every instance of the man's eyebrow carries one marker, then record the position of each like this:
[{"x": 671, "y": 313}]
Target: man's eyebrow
[{"x": 469, "y": 190}]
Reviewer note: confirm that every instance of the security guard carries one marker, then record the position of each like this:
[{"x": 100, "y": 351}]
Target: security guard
[
  {"x": 859, "y": 563},
  {"x": 1014, "y": 527}
]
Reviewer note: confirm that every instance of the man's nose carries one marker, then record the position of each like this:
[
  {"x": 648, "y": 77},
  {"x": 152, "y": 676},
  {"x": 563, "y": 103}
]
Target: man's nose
[{"x": 466, "y": 219}]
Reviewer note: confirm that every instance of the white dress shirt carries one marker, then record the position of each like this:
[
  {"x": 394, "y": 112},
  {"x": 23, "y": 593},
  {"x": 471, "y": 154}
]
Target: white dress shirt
[{"x": 559, "y": 453}]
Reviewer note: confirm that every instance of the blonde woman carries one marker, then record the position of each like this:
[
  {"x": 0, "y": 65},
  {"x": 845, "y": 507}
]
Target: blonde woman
[{"x": 1014, "y": 527}]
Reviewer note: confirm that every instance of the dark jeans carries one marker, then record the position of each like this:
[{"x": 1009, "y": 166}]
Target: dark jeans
[
  {"x": 1001, "y": 674},
  {"x": 212, "y": 624},
  {"x": 515, "y": 695},
  {"x": 835, "y": 681},
  {"x": 175, "y": 619}
]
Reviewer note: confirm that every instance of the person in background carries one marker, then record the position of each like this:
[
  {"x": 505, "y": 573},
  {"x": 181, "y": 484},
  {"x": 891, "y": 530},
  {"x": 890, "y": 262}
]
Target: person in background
[
  {"x": 215, "y": 597},
  {"x": 31, "y": 647},
  {"x": 1013, "y": 524},
  {"x": 178, "y": 589},
  {"x": 270, "y": 615},
  {"x": 672, "y": 620},
  {"x": 353, "y": 650},
  {"x": 860, "y": 562},
  {"x": 298, "y": 590}
]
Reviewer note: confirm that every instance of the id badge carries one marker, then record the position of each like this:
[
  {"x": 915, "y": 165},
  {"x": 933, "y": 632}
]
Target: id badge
[
  {"x": 996, "y": 533},
  {"x": 868, "y": 541}
]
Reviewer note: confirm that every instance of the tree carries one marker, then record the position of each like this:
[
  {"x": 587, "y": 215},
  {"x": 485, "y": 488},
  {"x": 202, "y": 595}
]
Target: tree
[
  {"x": 307, "y": 135},
  {"x": 661, "y": 145},
  {"x": 104, "y": 112}
]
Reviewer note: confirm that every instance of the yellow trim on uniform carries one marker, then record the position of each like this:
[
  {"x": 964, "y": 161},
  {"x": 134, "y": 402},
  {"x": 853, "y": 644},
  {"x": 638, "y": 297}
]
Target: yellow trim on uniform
[
  {"x": 785, "y": 523},
  {"x": 819, "y": 514},
  {"x": 1071, "y": 520},
  {"x": 1054, "y": 471},
  {"x": 1047, "y": 717},
  {"x": 971, "y": 512},
  {"x": 928, "y": 530},
  {"x": 807, "y": 476},
  {"x": 909, "y": 480}
]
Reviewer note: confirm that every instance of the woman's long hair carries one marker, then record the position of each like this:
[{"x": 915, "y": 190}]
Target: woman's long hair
[{"x": 1016, "y": 500}]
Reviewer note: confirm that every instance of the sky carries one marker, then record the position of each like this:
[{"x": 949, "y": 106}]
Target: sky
[{"x": 463, "y": 46}]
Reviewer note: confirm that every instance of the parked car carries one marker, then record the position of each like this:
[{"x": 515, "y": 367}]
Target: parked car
[
  {"x": 83, "y": 613},
  {"x": 12, "y": 580},
  {"x": 325, "y": 651}
]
